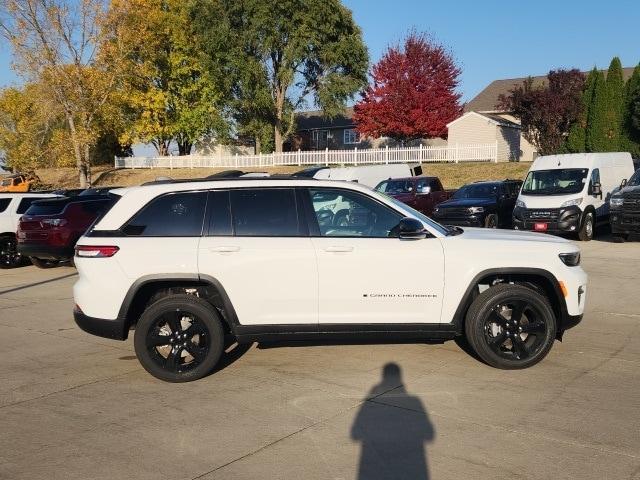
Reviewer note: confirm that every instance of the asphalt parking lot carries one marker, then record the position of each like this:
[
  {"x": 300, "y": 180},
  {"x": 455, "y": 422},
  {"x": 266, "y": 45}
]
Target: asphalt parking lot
[{"x": 73, "y": 406}]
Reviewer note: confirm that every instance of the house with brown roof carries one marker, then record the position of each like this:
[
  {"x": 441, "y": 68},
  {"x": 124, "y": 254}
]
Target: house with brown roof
[{"x": 483, "y": 122}]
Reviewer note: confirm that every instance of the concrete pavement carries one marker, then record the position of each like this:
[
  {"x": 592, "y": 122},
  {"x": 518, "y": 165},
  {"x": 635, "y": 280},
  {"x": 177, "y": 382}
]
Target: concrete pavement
[{"x": 74, "y": 406}]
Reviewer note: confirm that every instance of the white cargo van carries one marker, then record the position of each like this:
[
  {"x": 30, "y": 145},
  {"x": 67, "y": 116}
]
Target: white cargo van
[
  {"x": 570, "y": 193},
  {"x": 369, "y": 175}
]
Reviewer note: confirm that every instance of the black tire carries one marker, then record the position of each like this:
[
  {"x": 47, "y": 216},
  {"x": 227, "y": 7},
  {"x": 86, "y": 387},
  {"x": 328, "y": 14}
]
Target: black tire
[
  {"x": 9, "y": 256},
  {"x": 588, "y": 227},
  {"x": 504, "y": 338},
  {"x": 491, "y": 221},
  {"x": 42, "y": 263},
  {"x": 166, "y": 318}
]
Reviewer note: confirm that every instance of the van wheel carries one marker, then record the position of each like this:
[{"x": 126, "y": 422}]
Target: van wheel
[
  {"x": 41, "y": 263},
  {"x": 586, "y": 231},
  {"x": 179, "y": 338},
  {"x": 9, "y": 256},
  {"x": 510, "y": 326},
  {"x": 491, "y": 221}
]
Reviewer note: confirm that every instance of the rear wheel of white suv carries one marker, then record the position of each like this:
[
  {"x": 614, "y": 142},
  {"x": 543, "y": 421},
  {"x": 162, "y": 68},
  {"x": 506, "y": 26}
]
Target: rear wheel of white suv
[
  {"x": 179, "y": 338},
  {"x": 510, "y": 326}
]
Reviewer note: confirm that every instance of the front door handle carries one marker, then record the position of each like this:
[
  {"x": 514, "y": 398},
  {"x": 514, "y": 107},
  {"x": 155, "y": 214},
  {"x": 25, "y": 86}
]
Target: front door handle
[
  {"x": 339, "y": 248},
  {"x": 225, "y": 249}
]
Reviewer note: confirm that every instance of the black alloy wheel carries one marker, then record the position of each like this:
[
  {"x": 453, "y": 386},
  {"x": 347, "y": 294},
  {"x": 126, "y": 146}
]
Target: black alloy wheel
[
  {"x": 9, "y": 256},
  {"x": 179, "y": 338},
  {"x": 510, "y": 326}
]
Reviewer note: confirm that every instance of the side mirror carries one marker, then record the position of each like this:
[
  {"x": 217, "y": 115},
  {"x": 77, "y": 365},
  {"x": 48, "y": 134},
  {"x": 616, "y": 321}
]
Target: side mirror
[
  {"x": 596, "y": 189},
  {"x": 623, "y": 183},
  {"x": 411, "y": 229}
]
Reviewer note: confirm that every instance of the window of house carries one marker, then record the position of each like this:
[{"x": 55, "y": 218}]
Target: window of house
[
  {"x": 264, "y": 212},
  {"x": 351, "y": 136},
  {"x": 320, "y": 138},
  {"x": 172, "y": 215}
]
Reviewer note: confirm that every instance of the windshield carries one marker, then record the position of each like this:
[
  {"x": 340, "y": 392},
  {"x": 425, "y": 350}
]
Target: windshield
[
  {"x": 416, "y": 214},
  {"x": 561, "y": 181},
  {"x": 486, "y": 190},
  {"x": 634, "y": 181},
  {"x": 394, "y": 187},
  {"x": 6, "y": 183}
]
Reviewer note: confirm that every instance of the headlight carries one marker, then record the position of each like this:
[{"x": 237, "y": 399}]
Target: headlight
[
  {"x": 616, "y": 202},
  {"x": 571, "y": 203},
  {"x": 476, "y": 209},
  {"x": 520, "y": 203},
  {"x": 570, "y": 259}
]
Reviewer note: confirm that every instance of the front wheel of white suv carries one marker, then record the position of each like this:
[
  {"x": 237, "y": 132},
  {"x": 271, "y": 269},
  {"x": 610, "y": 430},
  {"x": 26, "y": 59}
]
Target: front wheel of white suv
[
  {"x": 179, "y": 338},
  {"x": 510, "y": 326}
]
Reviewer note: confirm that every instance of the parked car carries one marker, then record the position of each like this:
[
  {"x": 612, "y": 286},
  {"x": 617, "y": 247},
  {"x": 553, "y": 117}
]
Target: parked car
[
  {"x": 369, "y": 175},
  {"x": 625, "y": 209},
  {"x": 570, "y": 193},
  {"x": 185, "y": 264},
  {"x": 48, "y": 230},
  {"x": 12, "y": 206},
  {"x": 480, "y": 204},
  {"x": 18, "y": 183},
  {"x": 421, "y": 193}
]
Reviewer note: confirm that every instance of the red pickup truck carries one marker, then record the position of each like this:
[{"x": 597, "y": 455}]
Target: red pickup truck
[{"x": 421, "y": 193}]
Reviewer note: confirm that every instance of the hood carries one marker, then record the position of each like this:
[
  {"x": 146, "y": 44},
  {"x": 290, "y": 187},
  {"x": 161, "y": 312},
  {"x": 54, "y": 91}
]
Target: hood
[
  {"x": 510, "y": 235},
  {"x": 468, "y": 202},
  {"x": 628, "y": 190},
  {"x": 547, "y": 201}
]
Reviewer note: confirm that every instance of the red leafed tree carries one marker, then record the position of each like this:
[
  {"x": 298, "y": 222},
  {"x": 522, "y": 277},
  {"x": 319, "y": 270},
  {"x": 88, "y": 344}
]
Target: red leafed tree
[{"x": 412, "y": 94}]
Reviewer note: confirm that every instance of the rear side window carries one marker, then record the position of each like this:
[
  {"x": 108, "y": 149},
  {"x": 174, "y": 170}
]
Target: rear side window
[
  {"x": 4, "y": 203},
  {"x": 172, "y": 215},
  {"x": 25, "y": 203},
  {"x": 267, "y": 212}
]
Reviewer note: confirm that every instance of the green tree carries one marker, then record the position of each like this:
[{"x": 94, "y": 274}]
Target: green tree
[
  {"x": 615, "y": 105},
  {"x": 597, "y": 126},
  {"x": 274, "y": 55},
  {"x": 631, "y": 115},
  {"x": 577, "y": 139}
]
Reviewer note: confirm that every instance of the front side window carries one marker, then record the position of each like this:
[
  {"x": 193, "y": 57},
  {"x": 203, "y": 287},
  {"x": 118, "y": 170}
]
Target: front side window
[
  {"x": 351, "y": 136},
  {"x": 561, "y": 181},
  {"x": 342, "y": 213},
  {"x": 395, "y": 187},
  {"x": 264, "y": 212},
  {"x": 172, "y": 215}
]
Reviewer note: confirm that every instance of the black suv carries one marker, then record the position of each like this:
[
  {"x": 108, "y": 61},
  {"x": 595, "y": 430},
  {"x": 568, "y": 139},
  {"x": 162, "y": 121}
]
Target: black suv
[
  {"x": 480, "y": 204},
  {"x": 625, "y": 209}
]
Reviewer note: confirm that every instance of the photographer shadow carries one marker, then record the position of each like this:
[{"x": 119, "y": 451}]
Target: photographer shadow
[{"x": 393, "y": 437}]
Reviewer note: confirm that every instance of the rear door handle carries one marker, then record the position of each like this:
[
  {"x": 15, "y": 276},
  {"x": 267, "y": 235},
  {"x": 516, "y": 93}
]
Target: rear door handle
[
  {"x": 339, "y": 248},
  {"x": 225, "y": 249}
]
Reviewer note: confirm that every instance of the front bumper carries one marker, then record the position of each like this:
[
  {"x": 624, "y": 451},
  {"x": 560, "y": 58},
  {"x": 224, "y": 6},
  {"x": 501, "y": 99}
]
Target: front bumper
[
  {"x": 626, "y": 223},
  {"x": 557, "y": 220},
  {"x": 113, "y": 329}
]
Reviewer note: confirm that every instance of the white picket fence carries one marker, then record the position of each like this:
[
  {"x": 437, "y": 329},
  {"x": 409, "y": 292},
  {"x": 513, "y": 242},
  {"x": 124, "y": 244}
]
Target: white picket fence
[{"x": 371, "y": 156}]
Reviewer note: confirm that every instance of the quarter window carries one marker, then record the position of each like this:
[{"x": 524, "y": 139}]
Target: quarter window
[
  {"x": 173, "y": 215},
  {"x": 342, "y": 213},
  {"x": 4, "y": 203},
  {"x": 351, "y": 136},
  {"x": 266, "y": 212}
]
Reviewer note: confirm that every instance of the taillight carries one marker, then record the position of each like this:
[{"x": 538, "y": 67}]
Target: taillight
[{"x": 96, "y": 251}]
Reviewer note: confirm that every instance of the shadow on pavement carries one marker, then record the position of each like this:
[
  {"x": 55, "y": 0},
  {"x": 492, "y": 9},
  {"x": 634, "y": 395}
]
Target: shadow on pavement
[
  {"x": 22, "y": 287},
  {"x": 393, "y": 437}
]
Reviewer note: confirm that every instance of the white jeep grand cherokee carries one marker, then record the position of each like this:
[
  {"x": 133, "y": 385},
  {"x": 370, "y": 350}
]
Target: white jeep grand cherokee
[{"x": 189, "y": 263}]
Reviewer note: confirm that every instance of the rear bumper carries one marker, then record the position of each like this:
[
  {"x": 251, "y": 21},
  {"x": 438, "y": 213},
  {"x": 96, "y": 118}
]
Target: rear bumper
[
  {"x": 113, "y": 329},
  {"x": 46, "y": 252}
]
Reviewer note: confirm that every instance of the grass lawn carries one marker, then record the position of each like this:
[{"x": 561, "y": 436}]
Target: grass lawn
[{"x": 452, "y": 175}]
